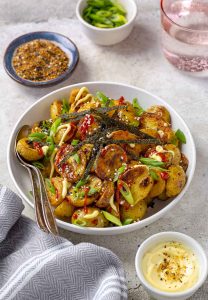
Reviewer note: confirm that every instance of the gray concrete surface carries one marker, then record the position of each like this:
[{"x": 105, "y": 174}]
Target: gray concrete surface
[{"x": 137, "y": 61}]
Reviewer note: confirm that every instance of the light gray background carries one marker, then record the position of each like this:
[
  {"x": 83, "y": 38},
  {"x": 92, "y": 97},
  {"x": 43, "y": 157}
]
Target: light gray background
[{"x": 137, "y": 61}]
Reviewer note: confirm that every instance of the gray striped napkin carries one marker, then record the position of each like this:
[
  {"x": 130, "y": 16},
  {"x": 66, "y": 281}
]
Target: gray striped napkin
[{"x": 36, "y": 265}]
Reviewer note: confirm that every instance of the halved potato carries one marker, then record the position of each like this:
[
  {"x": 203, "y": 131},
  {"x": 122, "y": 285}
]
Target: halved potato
[
  {"x": 139, "y": 181},
  {"x": 59, "y": 134},
  {"x": 176, "y": 181},
  {"x": 109, "y": 161},
  {"x": 72, "y": 169},
  {"x": 176, "y": 153},
  {"x": 55, "y": 197},
  {"x": 152, "y": 121},
  {"x": 158, "y": 186},
  {"x": 134, "y": 149},
  {"x": 107, "y": 192},
  {"x": 92, "y": 217},
  {"x": 87, "y": 149},
  {"x": 73, "y": 95},
  {"x": 152, "y": 132},
  {"x": 135, "y": 212},
  {"x": 28, "y": 151},
  {"x": 80, "y": 197},
  {"x": 161, "y": 111},
  {"x": 65, "y": 209},
  {"x": 127, "y": 115},
  {"x": 55, "y": 109}
]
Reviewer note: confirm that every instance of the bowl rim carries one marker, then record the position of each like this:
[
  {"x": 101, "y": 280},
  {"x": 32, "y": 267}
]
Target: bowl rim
[
  {"x": 40, "y": 84},
  {"x": 184, "y": 238},
  {"x": 131, "y": 20},
  {"x": 106, "y": 230}
]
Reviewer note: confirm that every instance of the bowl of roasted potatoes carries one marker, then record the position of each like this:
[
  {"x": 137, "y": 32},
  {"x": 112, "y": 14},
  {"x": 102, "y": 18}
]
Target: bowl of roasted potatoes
[{"x": 114, "y": 157}]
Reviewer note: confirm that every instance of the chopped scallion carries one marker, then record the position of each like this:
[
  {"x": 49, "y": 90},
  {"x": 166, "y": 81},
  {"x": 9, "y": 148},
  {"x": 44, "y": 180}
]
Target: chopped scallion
[
  {"x": 180, "y": 136},
  {"x": 112, "y": 218}
]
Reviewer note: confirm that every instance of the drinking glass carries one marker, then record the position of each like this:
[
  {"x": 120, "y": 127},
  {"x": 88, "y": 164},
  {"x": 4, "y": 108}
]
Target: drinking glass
[{"x": 185, "y": 34}]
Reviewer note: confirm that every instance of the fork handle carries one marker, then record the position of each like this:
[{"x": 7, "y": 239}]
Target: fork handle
[
  {"x": 38, "y": 207},
  {"x": 46, "y": 207}
]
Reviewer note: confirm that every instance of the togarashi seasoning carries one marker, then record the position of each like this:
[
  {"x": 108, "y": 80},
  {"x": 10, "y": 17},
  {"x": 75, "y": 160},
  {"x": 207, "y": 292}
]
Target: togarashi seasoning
[{"x": 40, "y": 60}]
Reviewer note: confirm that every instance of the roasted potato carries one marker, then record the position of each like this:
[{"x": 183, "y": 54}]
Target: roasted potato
[
  {"x": 86, "y": 194},
  {"x": 54, "y": 188},
  {"x": 59, "y": 134},
  {"x": 158, "y": 186},
  {"x": 27, "y": 150},
  {"x": 87, "y": 149},
  {"x": 65, "y": 209},
  {"x": 152, "y": 121},
  {"x": 109, "y": 161},
  {"x": 107, "y": 192},
  {"x": 161, "y": 111},
  {"x": 73, "y": 169},
  {"x": 176, "y": 153},
  {"x": 135, "y": 212},
  {"x": 134, "y": 149},
  {"x": 151, "y": 132},
  {"x": 139, "y": 182},
  {"x": 127, "y": 115},
  {"x": 73, "y": 95},
  {"x": 55, "y": 109},
  {"x": 176, "y": 181},
  {"x": 92, "y": 217}
]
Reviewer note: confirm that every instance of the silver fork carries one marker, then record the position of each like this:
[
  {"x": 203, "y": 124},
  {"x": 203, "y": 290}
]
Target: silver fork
[{"x": 43, "y": 211}]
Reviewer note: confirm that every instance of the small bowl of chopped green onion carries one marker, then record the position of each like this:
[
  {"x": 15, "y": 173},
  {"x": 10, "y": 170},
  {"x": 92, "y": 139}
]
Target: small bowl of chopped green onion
[{"x": 107, "y": 22}]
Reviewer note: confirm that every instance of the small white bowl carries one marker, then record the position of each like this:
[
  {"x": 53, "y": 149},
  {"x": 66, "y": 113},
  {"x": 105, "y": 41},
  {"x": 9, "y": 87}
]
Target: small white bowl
[
  {"x": 167, "y": 237},
  {"x": 108, "y": 36}
]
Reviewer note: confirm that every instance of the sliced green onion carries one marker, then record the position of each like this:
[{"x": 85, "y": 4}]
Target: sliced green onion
[
  {"x": 81, "y": 182},
  {"x": 76, "y": 158},
  {"x": 50, "y": 144},
  {"x": 74, "y": 142},
  {"x": 125, "y": 192},
  {"x": 119, "y": 172},
  {"x": 65, "y": 107},
  {"x": 151, "y": 162},
  {"x": 78, "y": 194},
  {"x": 112, "y": 218},
  {"x": 127, "y": 221},
  {"x": 137, "y": 108},
  {"x": 153, "y": 174},
  {"x": 81, "y": 223},
  {"x": 55, "y": 126},
  {"x": 50, "y": 186},
  {"x": 105, "y": 101},
  {"x": 38, "y": 165},
  {"x": 36, "y": 136},
  {"x": 180, "y": 136},
  {"x": 92, "y": 191}
]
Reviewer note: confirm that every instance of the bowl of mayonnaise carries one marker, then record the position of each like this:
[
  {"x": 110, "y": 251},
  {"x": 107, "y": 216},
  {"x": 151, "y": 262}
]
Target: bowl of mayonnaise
[{"x": 171, "y": 265}]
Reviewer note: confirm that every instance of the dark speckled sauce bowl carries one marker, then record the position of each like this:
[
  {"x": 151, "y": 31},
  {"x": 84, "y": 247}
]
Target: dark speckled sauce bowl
[{"x": 60, "y": 40}]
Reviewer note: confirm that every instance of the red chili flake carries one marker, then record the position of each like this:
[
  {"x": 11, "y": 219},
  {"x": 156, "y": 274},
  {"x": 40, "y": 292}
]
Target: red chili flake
[
  {"x": 88, "y": 120},
  {"x": 163, "y": 157},
  {"x": 95, "y": 221},
  {"x": 121, "y": 100},
  {"x": 37, "y": 146},
  {"x": 85, "y": 199},
  {"x": 75, "y": 216},
  {"x": 164, "y": 175}
]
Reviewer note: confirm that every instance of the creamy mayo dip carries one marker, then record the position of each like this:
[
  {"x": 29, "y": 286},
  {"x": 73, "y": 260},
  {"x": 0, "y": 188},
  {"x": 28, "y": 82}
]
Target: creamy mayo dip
[{"x": 171, "y": 267}]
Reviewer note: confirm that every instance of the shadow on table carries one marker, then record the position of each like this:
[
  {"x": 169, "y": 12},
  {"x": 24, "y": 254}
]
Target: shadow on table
[{"x": 140, "y": 40}]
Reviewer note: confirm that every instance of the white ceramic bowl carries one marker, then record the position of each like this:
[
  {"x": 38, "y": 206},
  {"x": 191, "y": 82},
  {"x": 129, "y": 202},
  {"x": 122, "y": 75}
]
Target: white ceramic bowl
[
  {"x": 108, "y": 36},
  {"x": 40, "y": 111},
  {"x": 167, "y": 237}
]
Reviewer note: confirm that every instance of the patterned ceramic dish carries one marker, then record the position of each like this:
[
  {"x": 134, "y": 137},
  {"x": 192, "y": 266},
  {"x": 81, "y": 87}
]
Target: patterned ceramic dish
[
  {"x": 40, "y": 111},
  {"x": 60, "y": 40}
]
